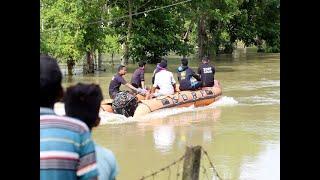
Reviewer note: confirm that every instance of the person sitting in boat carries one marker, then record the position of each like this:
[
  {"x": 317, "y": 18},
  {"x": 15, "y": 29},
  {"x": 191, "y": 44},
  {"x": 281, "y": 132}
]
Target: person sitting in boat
[
  {"x": 137, "y": 79},
  {"x": 117, "y": 80},
  {"x": 158, "y": 68},
  {"x": 187, "y": 78},
  {"x": 164, "y": 81},
  {"x": 206, "y": 72},
  {"x": 82, "y": 101}
]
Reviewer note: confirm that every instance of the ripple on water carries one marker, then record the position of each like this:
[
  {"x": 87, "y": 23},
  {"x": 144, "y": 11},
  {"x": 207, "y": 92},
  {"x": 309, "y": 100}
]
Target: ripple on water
[{"x": 259, "y": 100}]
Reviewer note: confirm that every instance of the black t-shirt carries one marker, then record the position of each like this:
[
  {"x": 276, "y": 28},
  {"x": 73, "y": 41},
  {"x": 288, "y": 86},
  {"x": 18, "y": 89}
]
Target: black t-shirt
[
  {"x": 115, "y": 84},
  {"x": 206, "y": 72},
  {"x": 137, "y": 77}
]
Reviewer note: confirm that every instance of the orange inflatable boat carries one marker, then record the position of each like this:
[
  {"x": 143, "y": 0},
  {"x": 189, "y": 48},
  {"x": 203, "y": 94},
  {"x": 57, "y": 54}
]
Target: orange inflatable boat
[{"x": 202, "y": 97}]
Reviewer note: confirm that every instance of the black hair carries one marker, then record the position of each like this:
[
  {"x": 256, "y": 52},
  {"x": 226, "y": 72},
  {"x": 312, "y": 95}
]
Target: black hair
[
  {"x": 50, "y": 81},
  {"x": 121, "y": 67},
  {"x": 205, "y": 58},
  {"x": 141, "y": 63},
  {"x": 82, "y": 101},
  {"x": 184, "y": 61},
  {"x": 163, "y": 64},
  {"x": 164, "y": 60}
]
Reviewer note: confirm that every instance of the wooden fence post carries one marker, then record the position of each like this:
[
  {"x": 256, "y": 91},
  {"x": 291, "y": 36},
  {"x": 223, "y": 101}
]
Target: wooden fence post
[{"x": 191, "y": 164}]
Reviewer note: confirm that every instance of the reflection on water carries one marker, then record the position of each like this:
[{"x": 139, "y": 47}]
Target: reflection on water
[
  {"x": 240, "y": 131},
  {"x": 164, "y": 137},
  {"x": 265, "y": 167}
]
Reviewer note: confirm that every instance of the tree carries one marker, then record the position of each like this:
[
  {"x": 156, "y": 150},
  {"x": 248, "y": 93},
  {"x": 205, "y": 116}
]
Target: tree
[
  {"x": 60, "y": 35},
  {"x": 152, "y": 34},
  {"x": 94, "y": 30},
  {"x": 72, "y": 29}
]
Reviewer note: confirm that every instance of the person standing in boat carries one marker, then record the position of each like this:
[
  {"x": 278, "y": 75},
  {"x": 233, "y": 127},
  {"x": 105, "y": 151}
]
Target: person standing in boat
[
  {"x": 187, "y": 78},
  {"x": 164, "y": 81},
  {"x": 137, "y": 79},
  {"x": 117, "y": 80},
  {"x": 206, "y": 72}
]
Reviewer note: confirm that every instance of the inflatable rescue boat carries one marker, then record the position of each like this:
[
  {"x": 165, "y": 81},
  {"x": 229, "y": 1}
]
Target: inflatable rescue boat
[{"x": 202, "y": 97}]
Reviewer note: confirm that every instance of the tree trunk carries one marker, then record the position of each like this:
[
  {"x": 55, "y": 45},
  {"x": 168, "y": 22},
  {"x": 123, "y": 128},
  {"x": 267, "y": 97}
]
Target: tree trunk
[
  {"x": 202, "y": 36},
  {"x": 100, "y": 61},
  {"x": 70, "y": 65},
  {"x": 112, "y": 62},
  {"x": 125, "y": 60},
  {"x": 259, "y": 43},
  {"x": 90, "y": 62}
]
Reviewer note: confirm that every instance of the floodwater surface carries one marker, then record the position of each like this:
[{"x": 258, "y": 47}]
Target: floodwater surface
[{"x": 240, "y": 132}]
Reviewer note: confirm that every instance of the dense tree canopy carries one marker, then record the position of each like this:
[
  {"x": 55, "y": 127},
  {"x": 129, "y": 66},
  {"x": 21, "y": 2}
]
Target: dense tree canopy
[{"x": 149, "y": 29}]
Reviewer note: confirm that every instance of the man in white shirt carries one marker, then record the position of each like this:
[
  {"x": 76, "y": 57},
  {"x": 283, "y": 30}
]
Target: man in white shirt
[{"x": 164, "y": 81}]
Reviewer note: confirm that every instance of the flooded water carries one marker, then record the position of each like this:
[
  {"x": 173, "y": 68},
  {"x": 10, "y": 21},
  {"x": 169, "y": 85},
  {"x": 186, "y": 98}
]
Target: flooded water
[{"x": 240, "y": 132}]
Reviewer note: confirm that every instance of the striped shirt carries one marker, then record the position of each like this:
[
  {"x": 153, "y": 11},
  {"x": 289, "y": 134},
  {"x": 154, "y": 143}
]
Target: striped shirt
[{"x": 66, "y": 148}]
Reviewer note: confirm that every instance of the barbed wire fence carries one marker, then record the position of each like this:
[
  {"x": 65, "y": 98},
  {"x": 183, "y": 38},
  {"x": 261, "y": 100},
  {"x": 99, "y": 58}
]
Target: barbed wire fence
[
  {"x": 166, "y": 168},
  {"x": 194, "y": 167}
]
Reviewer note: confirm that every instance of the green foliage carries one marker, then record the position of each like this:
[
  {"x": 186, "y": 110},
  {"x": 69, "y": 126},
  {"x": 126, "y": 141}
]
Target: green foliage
[
  {"x": 60, "y": 35},
  {"x": 258, "y": 20},
  {"x": 155, "y": 35},
  {"x": 69, "y": 29}
]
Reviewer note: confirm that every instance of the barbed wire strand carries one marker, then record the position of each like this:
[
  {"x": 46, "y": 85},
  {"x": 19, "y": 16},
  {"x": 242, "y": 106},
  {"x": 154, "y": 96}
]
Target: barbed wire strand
[
  {"x": 178, "y": 170},
  {"x": 121, "y": 17},
  {"x": 211, "y": 164},
  {"x": 205, "y": 172},
  {"x": 162, "y": 169}
]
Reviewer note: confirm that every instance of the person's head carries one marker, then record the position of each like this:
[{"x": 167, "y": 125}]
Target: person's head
[
  {"x": 51, "y": 89},
  {"x": 82, "y": 101},
  {"x": 122, "y": 70},
  {"x": 163, "y": 63},
  {"x": 205, "y": 59},
  {"x": 142, "y": 64},
  {"x": 184, "y": 62}
]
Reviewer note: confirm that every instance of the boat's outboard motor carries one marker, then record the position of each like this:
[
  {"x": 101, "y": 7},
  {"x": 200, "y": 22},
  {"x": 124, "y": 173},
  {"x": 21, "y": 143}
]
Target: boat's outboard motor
[{"x": 125, "y": 103}]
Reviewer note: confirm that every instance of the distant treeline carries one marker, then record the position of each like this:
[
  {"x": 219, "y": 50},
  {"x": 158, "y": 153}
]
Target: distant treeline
[{"x": 147, "y": 30}]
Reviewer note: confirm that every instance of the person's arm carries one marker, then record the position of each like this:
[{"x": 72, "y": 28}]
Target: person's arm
[
  {"x": 213, "y": 70},
  {"x": 155, "y": 84},
  {"x": 124, "y": 82},
  {"x": 153, "y": 89},
  {"x": 153, "y": 76},
  {"x": 142, "y": 79},
  {"x": 179, "y": 76},
  {"x": 131, "y": 87},
  {"x": 173, "y": 82},
  {"x": 87, "y": 164},
  {"x": 174, "y": 87},
  {"x": 196, "y": 76}
]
